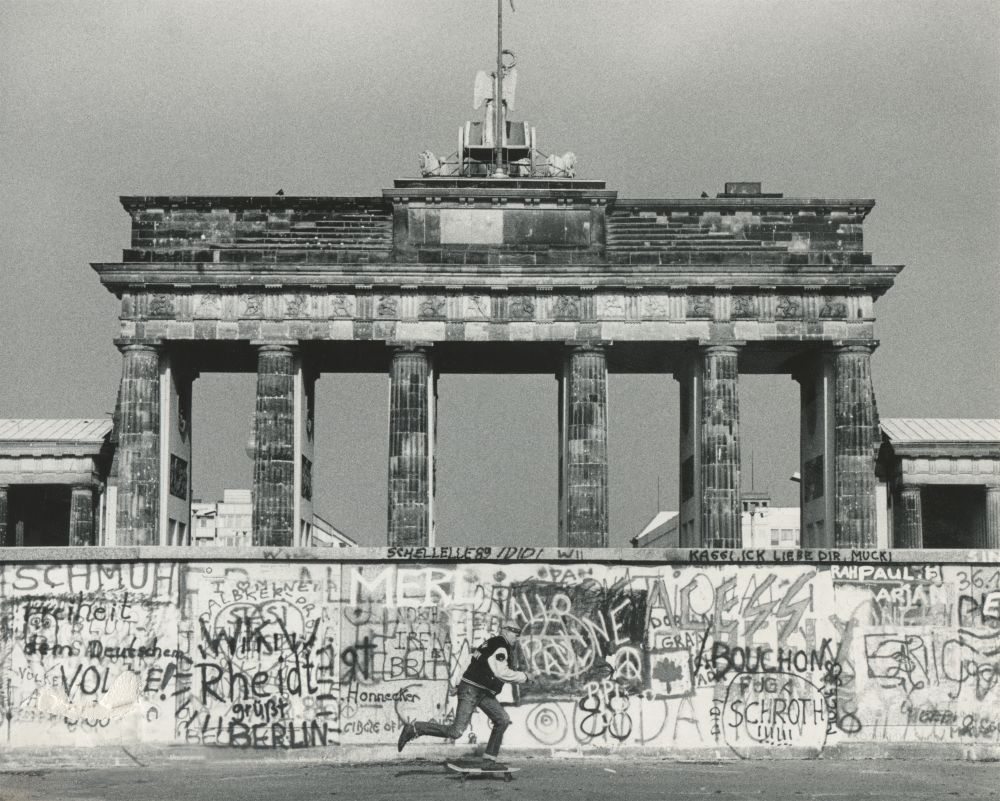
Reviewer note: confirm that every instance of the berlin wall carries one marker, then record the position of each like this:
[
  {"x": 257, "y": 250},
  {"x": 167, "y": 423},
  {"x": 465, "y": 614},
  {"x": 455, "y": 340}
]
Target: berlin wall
[{"x": 741, "y": 654}]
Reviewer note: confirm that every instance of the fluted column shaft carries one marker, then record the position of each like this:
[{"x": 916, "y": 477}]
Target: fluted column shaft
[
  {"x": 274, "y": 447},
  {"x": 720, "y": 448},
  {"x": 854, "y": 449},
  {"x": 584, "y": 480},
  {"x": 410, "y": 448},
  {"x": 911, "y": 519},
  {"x": 139, "y": 447},
  {"x": 81, "y": 516},
  {"x": 992, "y": 518}
]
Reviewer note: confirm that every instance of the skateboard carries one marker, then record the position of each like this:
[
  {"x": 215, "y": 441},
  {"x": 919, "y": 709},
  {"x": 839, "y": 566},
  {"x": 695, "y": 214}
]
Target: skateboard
[{"x": 467, "y": 772}]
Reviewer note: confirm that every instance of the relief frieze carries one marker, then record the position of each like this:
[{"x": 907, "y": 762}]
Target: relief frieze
[
  {"x": 521, "y": 307},
  {"x": 342, "y": 306},
  {"x": 251, "y": 305},
  {"x": 387, "y": 306},
  {"x": 744, "y": 307},
  {"x": 833, "y": 308},
  {"x": 296, "y": 305},
  {"x": 787, "y": 308},
  {"x": 499, "y": 305},
  {"x": 699, "y": 306},
  {"x": 208, "y": 306},
  {"x": 161, "y": 305},
  {"x": 477, "y": 307},
  {"x": 657, "y": 307},
  {"x": 432, "y": 307},
  {"x": 307, "y": 482},
  {"x": 613, "y": 306},
  {"x": 566, "y": 307},
  {"x": 178, "y": 477}
]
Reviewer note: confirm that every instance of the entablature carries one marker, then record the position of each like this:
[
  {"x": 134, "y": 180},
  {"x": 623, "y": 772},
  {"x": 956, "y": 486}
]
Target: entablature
[
  {"x": 169, "y": 277},
  {"x": 497, "y": 311}
]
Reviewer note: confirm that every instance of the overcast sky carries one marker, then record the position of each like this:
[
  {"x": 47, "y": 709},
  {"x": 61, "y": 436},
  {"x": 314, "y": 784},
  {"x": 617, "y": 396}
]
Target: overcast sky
[{"x": 897, "y": 101}]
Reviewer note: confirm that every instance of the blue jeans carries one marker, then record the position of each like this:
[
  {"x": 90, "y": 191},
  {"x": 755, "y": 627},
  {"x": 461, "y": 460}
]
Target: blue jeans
[{"x": 470, "y": 697}]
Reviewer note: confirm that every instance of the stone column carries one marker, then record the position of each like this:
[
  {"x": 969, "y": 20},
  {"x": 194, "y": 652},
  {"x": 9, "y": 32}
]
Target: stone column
[
  {"x": 274, "y": 447},
  {"x": 81, "y": 516},
  {"x": 720, "y": 448},
  {"x": 411, "y": 444},
  {"x": 139, "y": 446},
  {"x": 910, "y": 519},
  {"x": 3, "y": 518},
  {"x": 583, "y": 485},
  {"x": 854, "y": 449},
  {"x": 992, "y": 518}
]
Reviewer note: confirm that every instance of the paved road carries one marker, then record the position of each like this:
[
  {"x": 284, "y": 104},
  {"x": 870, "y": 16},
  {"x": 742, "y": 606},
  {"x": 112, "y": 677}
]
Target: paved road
[{"x": 581, "y": 780}]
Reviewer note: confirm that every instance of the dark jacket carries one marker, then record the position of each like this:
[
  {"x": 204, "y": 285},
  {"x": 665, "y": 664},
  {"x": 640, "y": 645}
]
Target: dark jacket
[{"x": 490, "y": 666}]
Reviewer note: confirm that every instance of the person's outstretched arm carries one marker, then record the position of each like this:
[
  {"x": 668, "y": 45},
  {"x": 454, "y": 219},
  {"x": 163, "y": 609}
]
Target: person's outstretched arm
[{"x": 501, "y": 669}]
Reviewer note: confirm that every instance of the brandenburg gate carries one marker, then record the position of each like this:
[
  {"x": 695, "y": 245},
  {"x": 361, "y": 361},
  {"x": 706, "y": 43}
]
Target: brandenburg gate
[{"x": 498, "y": 261}]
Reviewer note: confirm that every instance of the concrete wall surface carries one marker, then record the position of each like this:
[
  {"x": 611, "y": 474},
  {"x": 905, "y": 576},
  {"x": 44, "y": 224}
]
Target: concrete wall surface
[{"x": 754, "y": 654}]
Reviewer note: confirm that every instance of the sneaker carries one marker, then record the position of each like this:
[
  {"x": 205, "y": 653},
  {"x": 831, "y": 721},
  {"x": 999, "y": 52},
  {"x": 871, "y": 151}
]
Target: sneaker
[
  {"x": 408, "y": 733},
  {"x": 492, "y": 764}
]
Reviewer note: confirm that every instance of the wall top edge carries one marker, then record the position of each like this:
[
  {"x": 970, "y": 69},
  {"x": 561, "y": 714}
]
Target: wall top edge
[
  {"x": 607, "y": 272},
  {"x": 748, "y": 201},
  {"x": 512, "y": 553},
  {"x": 486, "y": 183},
  {"x": 584, "y": 189},
  {"x": 137, "y": 202}
]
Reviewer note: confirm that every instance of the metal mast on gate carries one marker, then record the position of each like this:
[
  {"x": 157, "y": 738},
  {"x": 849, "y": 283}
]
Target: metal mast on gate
[{"x": 498, "y": 123}]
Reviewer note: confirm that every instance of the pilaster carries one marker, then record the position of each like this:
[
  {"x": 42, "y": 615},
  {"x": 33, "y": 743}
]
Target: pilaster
[
  {"x": 4, "y": 524},
  {"x": 176, "y": 388},
  {"x": 909, "y": 531},
  {"x": 304, "y": 457},
  {"x": 81, "y": 516},
  {"x": 689, "y": 452},
  {"x": 992, "y": 517},
  {"x": 816, "y": 377}
]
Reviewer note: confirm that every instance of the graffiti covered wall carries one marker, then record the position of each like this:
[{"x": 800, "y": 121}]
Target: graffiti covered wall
[{"x": 771, "y": 654}]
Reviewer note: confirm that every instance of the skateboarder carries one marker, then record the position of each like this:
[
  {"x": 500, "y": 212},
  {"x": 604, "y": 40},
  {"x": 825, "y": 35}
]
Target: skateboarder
[{"x": 481, "y": 682}]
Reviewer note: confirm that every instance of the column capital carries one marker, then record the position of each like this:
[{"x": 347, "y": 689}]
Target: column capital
[
  {"x": 993, "y": 489},
  {"x": 710, "y": 346},
  {"x": 867, "y": 346},
  {"x": 282, "y": 346},
  {"x": 416, "y": 346},
  {"x": 127, "y": 345},
  {"x": 586, "y": 346}
]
